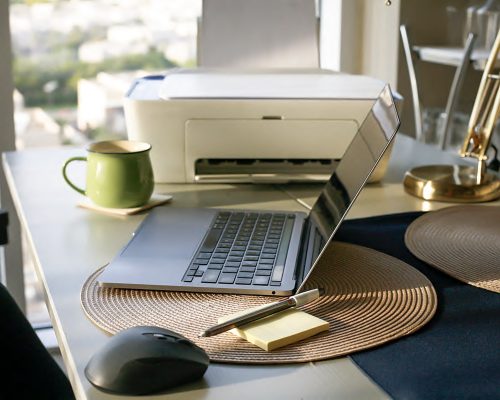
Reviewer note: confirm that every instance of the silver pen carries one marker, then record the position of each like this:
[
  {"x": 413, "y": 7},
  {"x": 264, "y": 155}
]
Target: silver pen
[{"x": 273, "y": 308}]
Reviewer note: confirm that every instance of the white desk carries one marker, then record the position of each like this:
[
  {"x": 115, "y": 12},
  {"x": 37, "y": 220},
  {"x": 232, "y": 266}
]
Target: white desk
[{"x": 69, "y": 243}]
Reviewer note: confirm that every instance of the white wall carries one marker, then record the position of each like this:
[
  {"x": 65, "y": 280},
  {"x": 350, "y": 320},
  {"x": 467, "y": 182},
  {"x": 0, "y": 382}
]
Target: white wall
[
  {"x": 361, "y": 37},
  {"x": 330, "y": 34},
  {"x": 380, "y": 40},
  {"x": 339, "y": 34}
]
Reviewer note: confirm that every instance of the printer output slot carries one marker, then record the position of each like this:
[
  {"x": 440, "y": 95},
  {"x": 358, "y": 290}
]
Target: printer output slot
[
  {"x": 272, "y": 117},
  {"x": 269, "y": 170}
]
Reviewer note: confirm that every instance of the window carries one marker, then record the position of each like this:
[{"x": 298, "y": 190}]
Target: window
[{"x": 73, "y": 61}]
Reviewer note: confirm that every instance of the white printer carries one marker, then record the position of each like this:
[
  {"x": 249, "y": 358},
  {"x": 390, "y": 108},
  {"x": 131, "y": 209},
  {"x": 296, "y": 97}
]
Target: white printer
[{"x": 247, "y": 126}]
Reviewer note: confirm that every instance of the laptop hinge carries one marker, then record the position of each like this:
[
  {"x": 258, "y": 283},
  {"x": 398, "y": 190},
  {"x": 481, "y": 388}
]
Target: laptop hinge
[{"x": 300, "y": 267}]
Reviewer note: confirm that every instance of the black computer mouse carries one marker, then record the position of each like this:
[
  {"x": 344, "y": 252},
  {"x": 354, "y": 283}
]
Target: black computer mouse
[{"x": 146, "y": 360}]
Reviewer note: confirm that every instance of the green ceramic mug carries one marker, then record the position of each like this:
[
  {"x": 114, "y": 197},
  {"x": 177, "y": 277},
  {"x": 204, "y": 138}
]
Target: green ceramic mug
[{"x": 119, "y": 173}]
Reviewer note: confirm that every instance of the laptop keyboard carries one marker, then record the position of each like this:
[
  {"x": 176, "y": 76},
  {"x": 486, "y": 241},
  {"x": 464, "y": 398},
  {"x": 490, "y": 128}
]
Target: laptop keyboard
[{"x": 243, "y": 248}]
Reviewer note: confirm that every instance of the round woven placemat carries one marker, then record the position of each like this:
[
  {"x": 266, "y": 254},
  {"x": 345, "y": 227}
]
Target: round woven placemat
[
  {"x": 461, "y": 241},
  {"x": 370, "y": 298}
]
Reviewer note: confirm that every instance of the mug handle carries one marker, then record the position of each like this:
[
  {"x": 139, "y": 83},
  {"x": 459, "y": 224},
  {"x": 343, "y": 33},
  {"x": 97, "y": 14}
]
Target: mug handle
[{"x": 81, "y": 191}]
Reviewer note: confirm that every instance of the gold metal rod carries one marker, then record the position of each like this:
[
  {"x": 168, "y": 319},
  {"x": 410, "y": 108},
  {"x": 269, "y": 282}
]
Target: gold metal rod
[
  {"x": 493, "y": 115},
  {"x": 489, "y": 101},
  {"x": 485, "y": 112}
]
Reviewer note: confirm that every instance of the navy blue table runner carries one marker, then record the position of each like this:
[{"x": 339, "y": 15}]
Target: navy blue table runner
[{"x": 457, "y": 354}]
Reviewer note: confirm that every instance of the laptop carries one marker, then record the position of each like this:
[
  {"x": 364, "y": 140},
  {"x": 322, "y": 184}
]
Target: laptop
[{"x": 251, "y": 252}]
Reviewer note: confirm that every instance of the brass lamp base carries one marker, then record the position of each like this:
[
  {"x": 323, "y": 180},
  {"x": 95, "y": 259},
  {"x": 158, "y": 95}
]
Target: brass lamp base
[{"x": 451, "y": 183}]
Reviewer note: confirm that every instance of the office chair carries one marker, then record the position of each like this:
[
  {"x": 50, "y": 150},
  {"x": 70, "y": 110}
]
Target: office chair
[
  {"x": 27, "y": 370},
  {"x": 258, "y": 34}
]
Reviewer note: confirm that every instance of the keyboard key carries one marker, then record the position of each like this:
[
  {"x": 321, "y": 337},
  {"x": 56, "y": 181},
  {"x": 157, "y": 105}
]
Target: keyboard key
[
  {"x": 249, "y": 263},
  {"x": 230, "y": 269},
  {"x": 243, "y": 281},
  {"x": 245, "y": 274},
  {"x": 266, "y": 261},
  {"x": 227, "y": 278},
  {"x": 247, "y": 269},
  {"x": 269, "y": 252},
  {"x": 188, "y": 278},
  {"x": 210, "y": 276},
  {"x": 211, "y": 240},
  {"x": 214, "y": 266},
  {"x": 258, "y": 237},
  {"x": 190, "y": 272},
  {"x": 235, "y": 259},
  {"x": 263, "y": 272},
  {"x": 236, "y": 253},
  {"x": 277, "y": 273},
  {"x": 252, "y": 253},
  {"x": 201, "y": 261},
  {"x": 204, "y": 255},
  {"x": 233, "y": 264},
  {"x": 255, "y": 248},
  {"x": 219, "y": 254},
  {"x": 199, "y": 272},
  {"x": 261, "y": 280},
  {"x": 218, "y": 260},
  {"x": 265, "y": 267},
  {"x": 251, "y": 258}
]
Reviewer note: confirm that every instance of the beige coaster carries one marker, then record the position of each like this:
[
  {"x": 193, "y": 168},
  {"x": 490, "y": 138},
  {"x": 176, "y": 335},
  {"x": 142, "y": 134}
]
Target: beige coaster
[
  {"x": 155, "y": 200},
  {"x": 371, "y": 298},
  {"x": 461, "y": 241}
]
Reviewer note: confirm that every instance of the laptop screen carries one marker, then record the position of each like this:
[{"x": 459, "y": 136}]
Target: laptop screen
[{"x": 352, "y": 172}]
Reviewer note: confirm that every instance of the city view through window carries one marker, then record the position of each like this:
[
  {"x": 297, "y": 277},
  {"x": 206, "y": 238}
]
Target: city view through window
[{"x": 73, "y": 61}]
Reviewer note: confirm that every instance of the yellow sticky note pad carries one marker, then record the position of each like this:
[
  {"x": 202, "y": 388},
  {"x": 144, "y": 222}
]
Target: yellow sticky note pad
[{"x": 280, "y": 329}]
